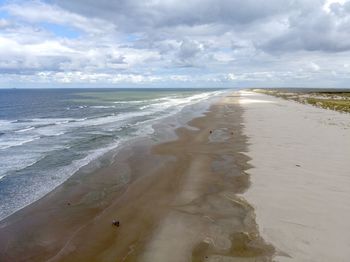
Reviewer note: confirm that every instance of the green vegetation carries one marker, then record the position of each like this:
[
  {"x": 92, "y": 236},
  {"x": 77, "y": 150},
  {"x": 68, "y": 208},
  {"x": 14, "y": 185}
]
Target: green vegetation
[
  {"x": 337, "y": 100},
  {"x": 338, "y": 105}
]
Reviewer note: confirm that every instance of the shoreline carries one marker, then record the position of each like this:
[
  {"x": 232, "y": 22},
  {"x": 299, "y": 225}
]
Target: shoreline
[
  {"x": 58, "y": 152},
  {"x": 248, "y": 180},
  {"x": 185, "y": 188}
]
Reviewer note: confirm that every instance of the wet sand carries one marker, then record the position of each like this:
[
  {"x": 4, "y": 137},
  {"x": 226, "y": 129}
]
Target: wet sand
[{"x": 176, "y": 201}]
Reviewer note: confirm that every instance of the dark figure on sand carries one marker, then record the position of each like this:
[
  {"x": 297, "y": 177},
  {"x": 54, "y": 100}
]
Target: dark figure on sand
[{"x": 115, "y": 223}]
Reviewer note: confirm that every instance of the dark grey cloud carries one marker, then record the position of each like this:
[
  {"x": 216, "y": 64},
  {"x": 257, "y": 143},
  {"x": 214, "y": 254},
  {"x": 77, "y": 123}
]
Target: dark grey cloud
[
  {"x": 135, "y": 15},
  {"x": 340, "y": 9},
  {"x": 308, "y": 27},
  {"x": 120, "y": 59},
  {"x": 315, "y": 30},
  {"x": 31, "y": 65},
  {"x": 188, "y": 51}
]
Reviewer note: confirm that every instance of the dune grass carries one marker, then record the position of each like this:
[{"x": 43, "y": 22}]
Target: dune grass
[{"x": 339, "y": 101}]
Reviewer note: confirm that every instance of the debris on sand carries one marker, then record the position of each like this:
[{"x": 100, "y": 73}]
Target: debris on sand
[{"x": 115, "y": 223}]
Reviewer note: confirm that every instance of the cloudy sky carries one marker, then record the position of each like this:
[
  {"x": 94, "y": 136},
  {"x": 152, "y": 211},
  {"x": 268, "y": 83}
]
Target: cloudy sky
[{"x": 175, "y": 43}]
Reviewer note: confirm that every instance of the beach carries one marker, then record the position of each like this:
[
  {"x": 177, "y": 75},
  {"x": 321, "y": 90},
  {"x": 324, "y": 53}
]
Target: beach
[
  {"x": 174, "y": 131},
  {"x": 181, "y": 198},
  {"x": 253, "y": 178},
  {"x": 300, "y": 180}
]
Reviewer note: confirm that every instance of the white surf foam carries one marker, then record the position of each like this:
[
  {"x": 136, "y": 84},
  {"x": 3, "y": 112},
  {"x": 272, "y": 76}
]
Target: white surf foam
[{"x": 5, "y": 144}]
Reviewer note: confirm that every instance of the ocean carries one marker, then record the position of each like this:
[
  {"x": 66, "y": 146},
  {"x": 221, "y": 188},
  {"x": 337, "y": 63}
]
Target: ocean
[{"x": 47, "y": 135}]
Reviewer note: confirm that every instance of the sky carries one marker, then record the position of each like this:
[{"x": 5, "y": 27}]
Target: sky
[{"x": 175, "y": 43}]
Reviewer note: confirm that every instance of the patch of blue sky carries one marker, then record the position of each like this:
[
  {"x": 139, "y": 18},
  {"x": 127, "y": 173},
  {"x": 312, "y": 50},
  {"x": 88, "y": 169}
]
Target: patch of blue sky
[
  {"x": 3, "y": 14},
  {"x": 132, "y": 37},
  {"x": 61, "y": 30},
  {"x": 3, "y": 2}
]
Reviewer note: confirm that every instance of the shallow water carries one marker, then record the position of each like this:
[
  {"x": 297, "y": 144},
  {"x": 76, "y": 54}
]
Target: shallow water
[{"x": 47, "y": 135}]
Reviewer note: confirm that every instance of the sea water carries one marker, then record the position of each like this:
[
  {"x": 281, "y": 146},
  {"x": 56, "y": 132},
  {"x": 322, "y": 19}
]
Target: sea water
[{"x": 46, "y": 135}]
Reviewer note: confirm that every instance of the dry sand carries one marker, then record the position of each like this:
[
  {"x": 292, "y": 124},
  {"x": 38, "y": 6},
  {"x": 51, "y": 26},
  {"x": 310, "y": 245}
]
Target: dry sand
[{"x": 301, "y": 177}]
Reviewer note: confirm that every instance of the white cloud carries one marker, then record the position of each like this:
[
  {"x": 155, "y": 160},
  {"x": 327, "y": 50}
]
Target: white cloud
[
  {"x": 225, "y": 42},
  {"x": 35, "y": 11},
  {"x": 315, "y": 67},
  {"x": 328, "y": 3}
]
